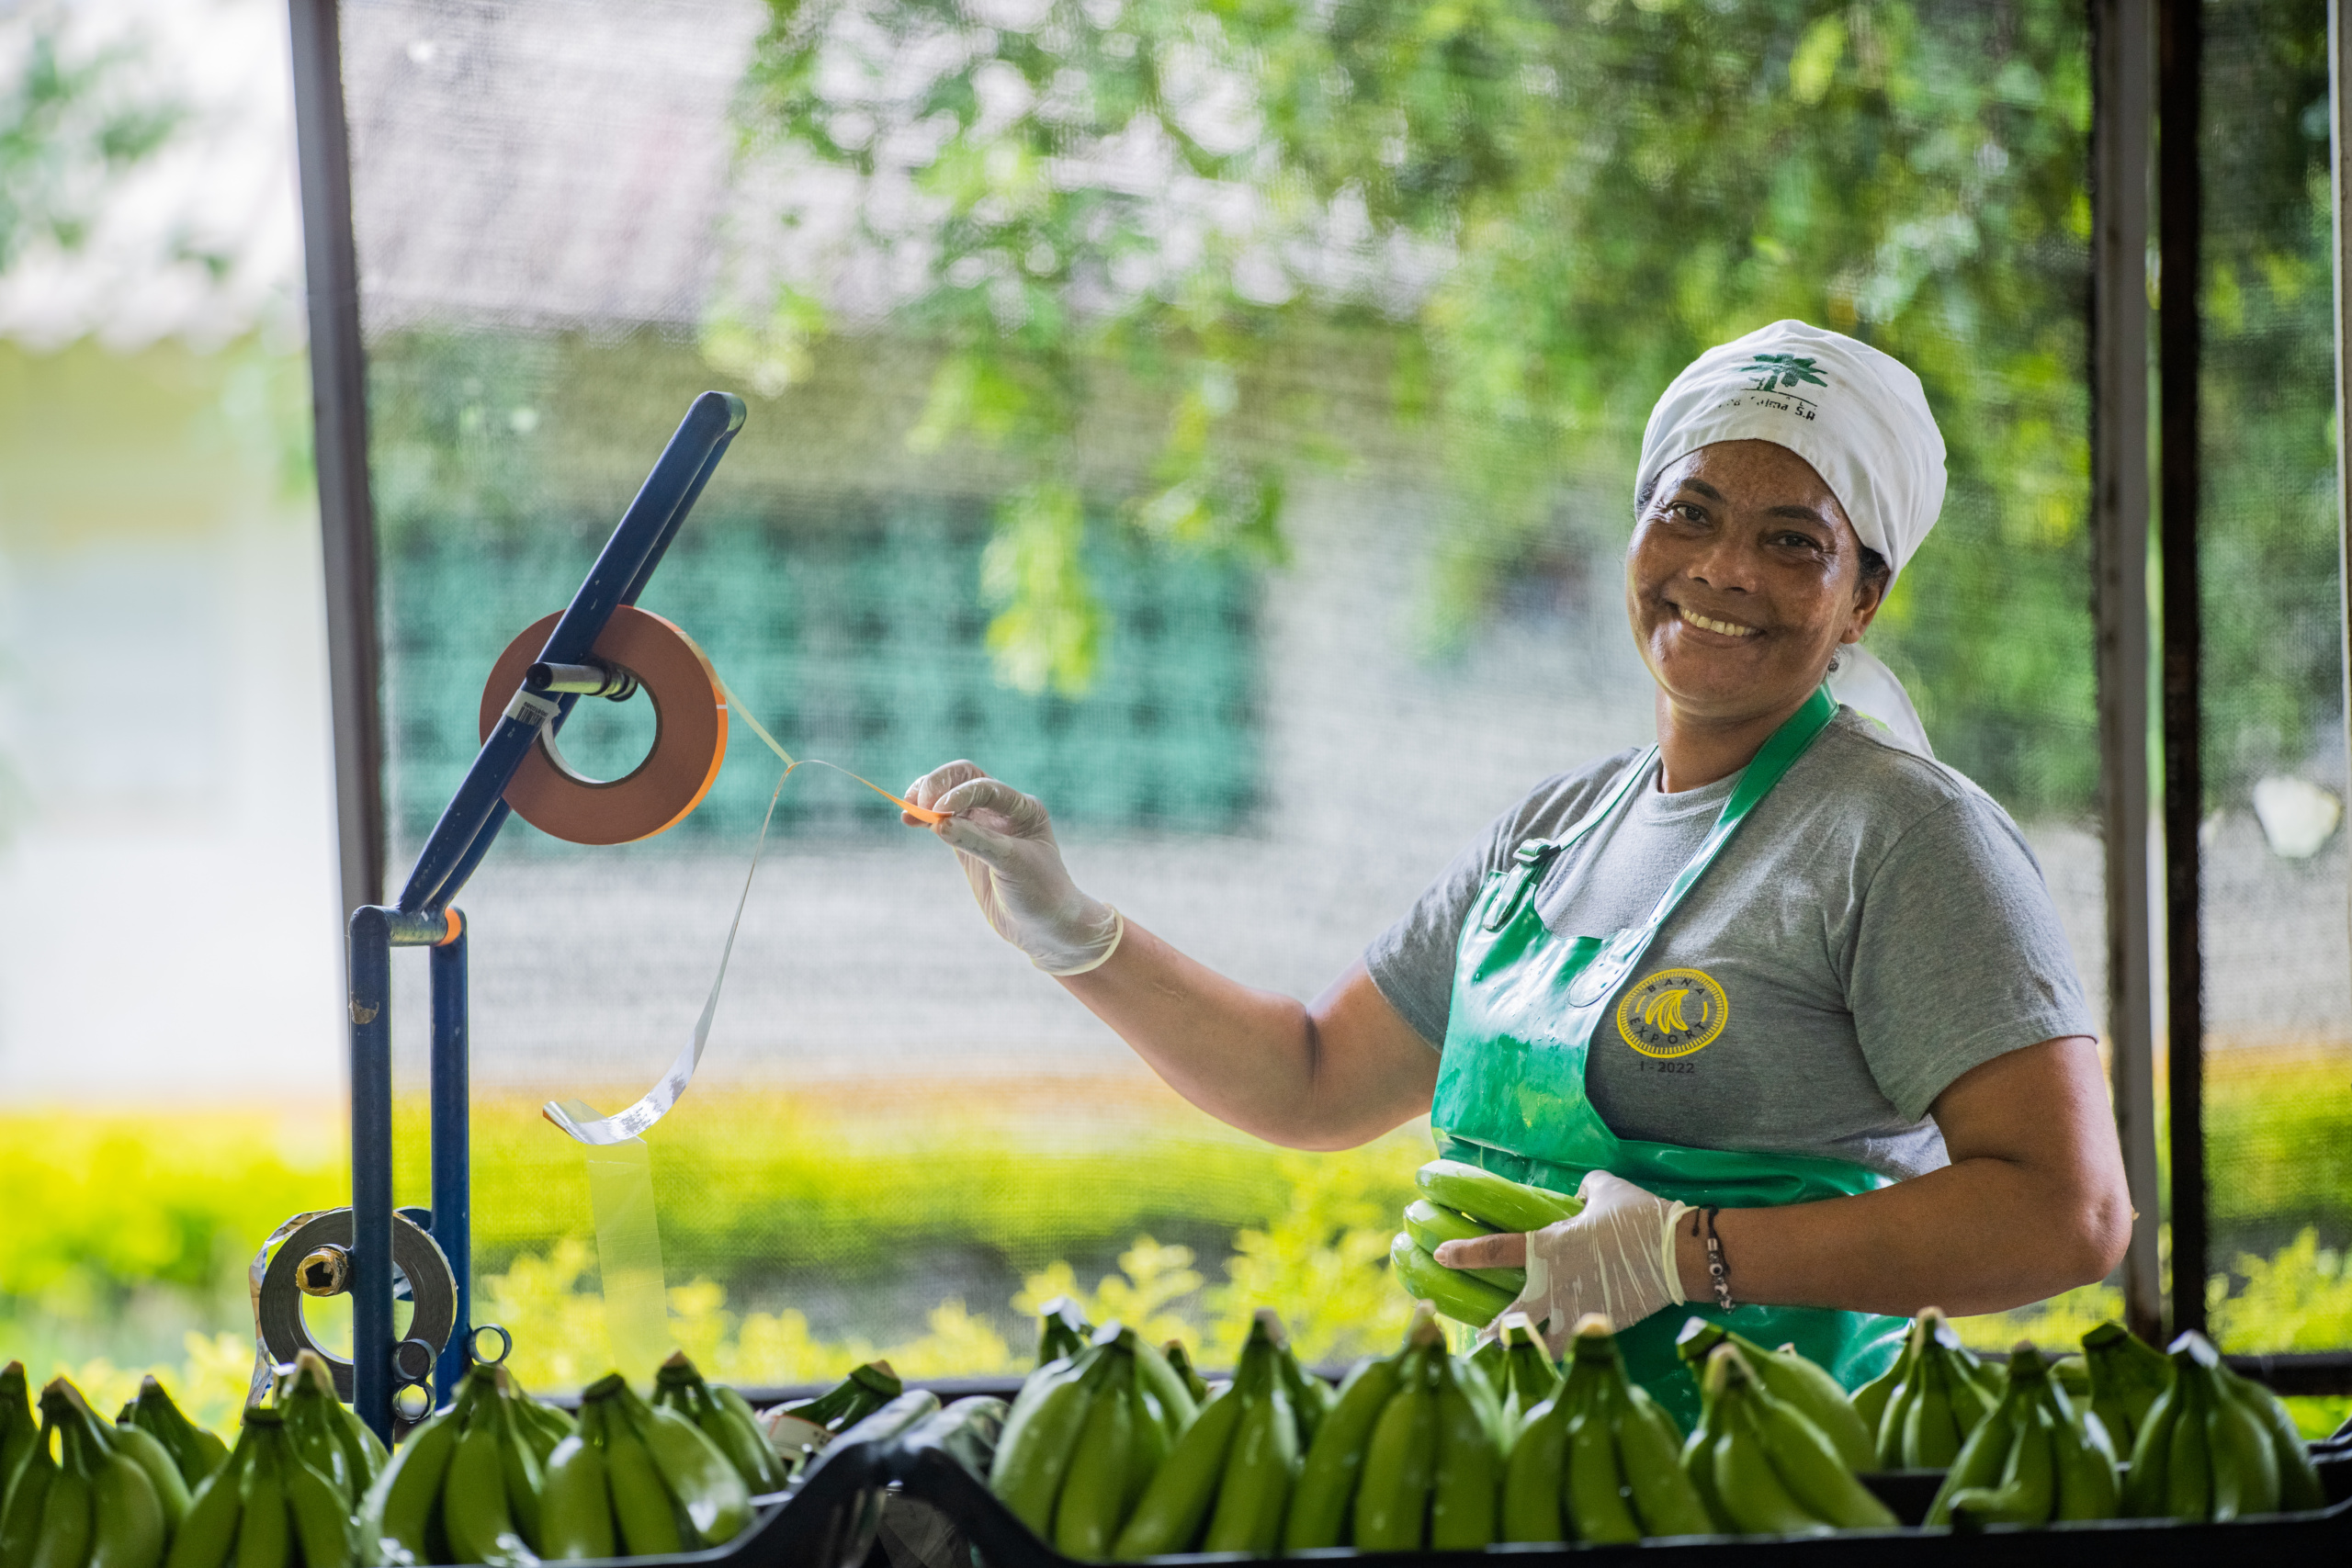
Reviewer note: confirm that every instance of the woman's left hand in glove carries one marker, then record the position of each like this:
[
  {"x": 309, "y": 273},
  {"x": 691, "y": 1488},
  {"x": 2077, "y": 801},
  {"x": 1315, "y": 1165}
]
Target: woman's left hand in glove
[{"x": 1616, "y": 1259}]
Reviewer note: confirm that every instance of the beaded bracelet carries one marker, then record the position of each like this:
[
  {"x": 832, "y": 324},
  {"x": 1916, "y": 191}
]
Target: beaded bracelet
[{"x": 1718, "y": 1267}]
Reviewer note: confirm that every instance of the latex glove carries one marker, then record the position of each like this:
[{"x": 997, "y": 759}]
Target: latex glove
[
  {"x": 1004, "y": 841},
  {"x": 1616, "y": 1259}
]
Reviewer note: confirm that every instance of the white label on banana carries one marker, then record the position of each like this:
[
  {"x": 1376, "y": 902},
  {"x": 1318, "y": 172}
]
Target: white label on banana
[{"x": 794, "y": 1440}]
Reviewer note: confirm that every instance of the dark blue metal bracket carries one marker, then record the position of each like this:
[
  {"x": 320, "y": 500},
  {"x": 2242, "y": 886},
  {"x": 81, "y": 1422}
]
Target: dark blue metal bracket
[{"x": 424, "y": 917}]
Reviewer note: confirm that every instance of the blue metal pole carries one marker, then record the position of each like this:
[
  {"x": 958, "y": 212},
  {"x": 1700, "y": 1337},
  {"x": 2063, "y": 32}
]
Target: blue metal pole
[
  {"x": 651, "y": 520},
  {"x": 371, "y": 1167},
  {"x": 452, "y": 1151}
]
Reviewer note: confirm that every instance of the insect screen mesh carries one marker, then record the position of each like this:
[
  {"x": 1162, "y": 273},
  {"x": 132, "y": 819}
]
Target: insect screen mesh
[{"x": 1217, "y": 423}]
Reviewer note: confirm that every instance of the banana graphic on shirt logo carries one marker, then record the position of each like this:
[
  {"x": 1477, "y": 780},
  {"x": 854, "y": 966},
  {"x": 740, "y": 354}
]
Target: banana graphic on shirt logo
[{"x": 1673, "y": 1012}]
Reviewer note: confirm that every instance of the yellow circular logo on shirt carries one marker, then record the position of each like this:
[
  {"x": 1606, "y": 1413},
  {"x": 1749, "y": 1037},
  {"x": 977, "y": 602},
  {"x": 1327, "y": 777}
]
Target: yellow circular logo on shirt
[{"x": 1673, "y": 1013}]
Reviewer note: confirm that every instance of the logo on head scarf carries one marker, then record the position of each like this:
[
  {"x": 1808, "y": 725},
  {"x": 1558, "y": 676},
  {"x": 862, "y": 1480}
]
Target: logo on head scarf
[{"x": 1779, "y": 372}]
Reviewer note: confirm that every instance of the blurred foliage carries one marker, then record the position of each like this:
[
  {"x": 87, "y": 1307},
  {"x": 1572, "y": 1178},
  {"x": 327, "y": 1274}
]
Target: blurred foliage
[
  {"x": 1527, "y": 220},
  {"x": 70, "y": 122}
]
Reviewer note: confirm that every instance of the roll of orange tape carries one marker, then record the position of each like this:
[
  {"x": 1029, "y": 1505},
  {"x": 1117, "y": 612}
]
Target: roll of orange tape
[{"x": 689, "y": 735}]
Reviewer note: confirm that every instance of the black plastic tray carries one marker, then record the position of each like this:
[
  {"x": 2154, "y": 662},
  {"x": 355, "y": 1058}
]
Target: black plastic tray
[{"x": 927, "y": 1473}]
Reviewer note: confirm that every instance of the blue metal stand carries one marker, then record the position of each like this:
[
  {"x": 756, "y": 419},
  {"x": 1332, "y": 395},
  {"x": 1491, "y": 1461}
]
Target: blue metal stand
[{"x": 424, "y": 918}]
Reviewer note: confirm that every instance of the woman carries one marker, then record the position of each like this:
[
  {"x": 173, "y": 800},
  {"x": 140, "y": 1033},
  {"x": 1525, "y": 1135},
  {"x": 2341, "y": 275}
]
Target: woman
[{"x": 1783, "y": 998}]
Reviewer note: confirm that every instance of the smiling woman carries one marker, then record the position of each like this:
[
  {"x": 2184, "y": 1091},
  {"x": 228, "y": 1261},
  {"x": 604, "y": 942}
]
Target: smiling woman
[{"x": 1782, "y": 996}]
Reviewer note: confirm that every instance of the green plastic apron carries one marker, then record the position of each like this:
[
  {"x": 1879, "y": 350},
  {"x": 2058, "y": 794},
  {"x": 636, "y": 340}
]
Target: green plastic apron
[{"x": 1510, "y": 1094}]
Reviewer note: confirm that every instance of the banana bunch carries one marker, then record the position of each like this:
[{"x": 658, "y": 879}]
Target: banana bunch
[
  {"x": 1409, "y": 1457},
  {"x": 2037, "y": 1457},
  {"x": 197, "y": 1452},
  {"x": 1931, "y": 1400},
  {"x": 1225, "y": 1482},
  {"x": 264, "y": 1508},
  {"x": 967, "y": 1431},
  {"x": 725, "y": 1418},
  {"x": 1762, "y": 1464},
  {"x": 797, "y": 1430},
  {"x": 103, "y": 1502},
  {"x": 19, "y": 1429},
  {"x": 466, "y": 1483},
  {"x": 1459, "y": 1202},
  {"x": 1519, "y": 1369},
  {"x": 1793, "y": 1379},
  {"x": 326, "y": 1432},
  {"x": 632, "y": 1481},
  {"x": 2127, "y": 1377},
  {"x": 1600, "y": 1461},
  {"x": 1085, "y": 1436},
  {"x": 2216, "y": 1446}
]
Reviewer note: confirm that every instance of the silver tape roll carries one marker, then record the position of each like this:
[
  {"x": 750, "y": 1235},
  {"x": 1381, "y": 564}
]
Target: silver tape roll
[{"x": 277, "y": 1278}]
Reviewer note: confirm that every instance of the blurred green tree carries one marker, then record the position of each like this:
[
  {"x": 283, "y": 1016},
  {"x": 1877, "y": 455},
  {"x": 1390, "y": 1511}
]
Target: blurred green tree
[
  {"x": 66, "y": 131},
  {"x": 1528, "y": 219}
]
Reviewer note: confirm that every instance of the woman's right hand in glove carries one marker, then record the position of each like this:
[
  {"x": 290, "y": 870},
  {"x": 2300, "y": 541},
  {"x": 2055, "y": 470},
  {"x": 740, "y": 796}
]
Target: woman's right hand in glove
[{"x": 1004, "y": 841}]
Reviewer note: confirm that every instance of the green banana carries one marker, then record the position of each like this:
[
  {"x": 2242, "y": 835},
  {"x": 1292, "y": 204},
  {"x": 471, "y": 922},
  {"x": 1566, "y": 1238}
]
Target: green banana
[
  {"x": 126, "y": 1527},
  {"x": 1400, "y": 1461},
  {"x": 1456, "y": 1294},
  {"x": 1310, "y": 1397},
  {"x": 2147, "y": 1480},
  {"x": 1535, "y": 1473},
  {"x": 1793, "y": 1379},
  {"x": 2298, "y": 1483},
  {"x": 1260, "y": 1465},
  {"x": 1527, "y": 1372},
  {"x": 1105, "y": 1472},
  {"x": 1040, "y": 1435},
  {"x": 1983, "y": 1458},
  {"x": 2087, "y": 1480},
  {"x": 1493, "y": 1201},
  {"x": 1062, "y": 1330},
  {"x": 1816, "y": 1474},
  {"x": 19, "y": 1428},
  {"x": 1181, "y": 1360},
  {"x": 644, "y": 1516},
  {"x": 1431, "y": 1226},
  {"x": 2189, "y": 1466},
  {"x": 209, "y": 1532},
  {"x": 2241, "y": 1453},
  {"x": 27, "y": 1497},
  {"x": 2028, "y": 1494},
  {"x": 197, "y": 1452},
  {"x": 399, "y": 1512},
  {"x": 1595, "y": 1492},
  {"x": 1467, "y": 1493},
  {"x": 265, "y": 1536},
  {"x": 316, "y": 1435},
  {"x": 1870, "y": 1399},
  {"x": 321, "y": 1516},
  {"x": 575, "y": 1508},
  {"x": 1931, "y": 1430},
  {"x": 867, "y": 1389},
  {"x": 1649, "y": 1449},
  {"x": 1323, "y": 1502},
  {"x": 724, "y": 1418},
  {"x": 1699, "y": 1458},
  {"x": 1174, "y": 1507},
  {"x": 143, "y": 1449},
  {"x": 711, "y": 1498},
  {"x": 1752, "y": 1492},
  {"x": 2126, "y": 1377},
  {"x": 474, "y": 1512}
]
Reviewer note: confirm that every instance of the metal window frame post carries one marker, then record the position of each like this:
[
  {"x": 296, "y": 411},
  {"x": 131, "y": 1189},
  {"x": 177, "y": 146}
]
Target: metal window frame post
[
  {"x": 2121, "y": 109},
  {"x": 2179, "y": 87},
  {"x": 2339, "y": 119}
]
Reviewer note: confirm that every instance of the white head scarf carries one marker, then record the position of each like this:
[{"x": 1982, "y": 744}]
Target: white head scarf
[{"x": 1861, "y": 418}]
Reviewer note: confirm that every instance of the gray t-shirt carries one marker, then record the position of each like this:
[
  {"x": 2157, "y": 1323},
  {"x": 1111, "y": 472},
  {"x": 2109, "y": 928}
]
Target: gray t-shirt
[{"x": 1876, "y": 927}]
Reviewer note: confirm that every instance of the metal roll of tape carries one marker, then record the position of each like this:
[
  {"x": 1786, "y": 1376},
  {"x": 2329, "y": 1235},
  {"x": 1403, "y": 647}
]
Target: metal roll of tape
[{"x": 277, "y": 1304}]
